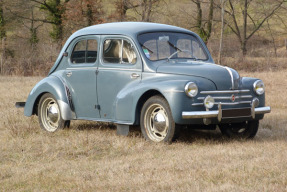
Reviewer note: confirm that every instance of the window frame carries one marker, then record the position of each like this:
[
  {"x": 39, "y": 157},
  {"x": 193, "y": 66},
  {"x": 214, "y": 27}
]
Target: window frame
[
  {"x": 198, "y": 39},
  {"x": 122, "y": 39},
  {"x": 74, "y": 44}
]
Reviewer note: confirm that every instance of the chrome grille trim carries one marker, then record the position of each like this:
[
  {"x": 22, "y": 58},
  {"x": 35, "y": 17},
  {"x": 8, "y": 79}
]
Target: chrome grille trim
[
  {"x": 228, "y": 98},
  {"x": 226, "y": 91},
  {"x": 216, "y": 103},
  {"x": 241, "y": 97}
]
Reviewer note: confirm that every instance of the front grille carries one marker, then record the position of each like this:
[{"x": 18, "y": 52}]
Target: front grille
[{"x": 226, "y": 97}]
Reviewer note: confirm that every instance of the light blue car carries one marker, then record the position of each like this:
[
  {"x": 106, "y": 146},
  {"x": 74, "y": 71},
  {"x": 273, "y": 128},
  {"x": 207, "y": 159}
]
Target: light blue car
[{"x": 160, "y": 77}]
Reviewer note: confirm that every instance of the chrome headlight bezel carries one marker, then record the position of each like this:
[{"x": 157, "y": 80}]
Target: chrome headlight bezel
[
  {"x": 209, "y": 102},
  {"x": 259, "y": 87},
  {"x": 191, "y": 89}
]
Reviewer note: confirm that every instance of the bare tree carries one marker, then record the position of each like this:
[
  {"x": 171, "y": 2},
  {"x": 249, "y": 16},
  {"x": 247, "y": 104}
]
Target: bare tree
[
  {"x": 2, "y": 21},
  {"x": 122, "y": 7},
  {"x": 253, "y": 15},
  {"x": 55, "y": 10},
  {"x": 83, "y": 13},
  {"x": 145, "y": 9},
  {"x": 222, "y": 30},
  {"x": 204, "y": 25},
  {"x": 25, "y": 14}
]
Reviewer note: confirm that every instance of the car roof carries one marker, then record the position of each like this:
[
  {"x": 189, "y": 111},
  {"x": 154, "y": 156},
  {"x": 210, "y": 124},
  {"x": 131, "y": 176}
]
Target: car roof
[
  {"x": 132, "y": 29},
  {"x": 127, "y": 28}
]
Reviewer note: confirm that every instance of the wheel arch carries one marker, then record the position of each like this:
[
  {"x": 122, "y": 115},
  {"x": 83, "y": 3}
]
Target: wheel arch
[
  {"x": 36, "y": 103},
  {"x": 144, "y": 97},
  {"x": 54, "y": 86}
]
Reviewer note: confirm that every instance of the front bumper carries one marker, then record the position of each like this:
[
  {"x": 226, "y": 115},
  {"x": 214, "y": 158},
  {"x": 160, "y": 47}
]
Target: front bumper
[{"x": 219, "y": 113}]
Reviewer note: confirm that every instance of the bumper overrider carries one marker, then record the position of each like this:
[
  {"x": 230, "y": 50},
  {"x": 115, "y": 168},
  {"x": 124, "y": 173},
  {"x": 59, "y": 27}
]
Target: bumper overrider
[{"x": 227, "y": 113}]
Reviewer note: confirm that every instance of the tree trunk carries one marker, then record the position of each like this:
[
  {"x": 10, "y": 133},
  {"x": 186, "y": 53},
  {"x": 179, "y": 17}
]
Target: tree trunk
[
  {"x": 222, "y": 30},
  {"x": 2, "y": 22},
  {"x": 3, "y": 55},
  {"x": 243, "y": 48}
]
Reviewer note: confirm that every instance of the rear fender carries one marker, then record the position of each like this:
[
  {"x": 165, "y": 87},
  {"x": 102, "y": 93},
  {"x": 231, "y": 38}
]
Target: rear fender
[{"x": 55, "y": 86}]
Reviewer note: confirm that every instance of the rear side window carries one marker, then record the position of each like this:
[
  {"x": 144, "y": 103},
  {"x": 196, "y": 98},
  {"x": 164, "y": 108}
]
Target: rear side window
[
  {"x": 85, "y": 51},
  {"x": 119, "y": 51}
]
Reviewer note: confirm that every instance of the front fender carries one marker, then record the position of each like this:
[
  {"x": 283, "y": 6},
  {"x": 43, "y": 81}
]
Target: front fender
[
  {"x": 55, "y": 86},
  {"x": 247, "y": 83},
  {"x": 170, "y": 87}
]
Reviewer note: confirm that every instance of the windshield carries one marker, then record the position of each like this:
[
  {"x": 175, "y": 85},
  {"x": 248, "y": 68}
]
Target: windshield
[{"x": 169, "y": 45}]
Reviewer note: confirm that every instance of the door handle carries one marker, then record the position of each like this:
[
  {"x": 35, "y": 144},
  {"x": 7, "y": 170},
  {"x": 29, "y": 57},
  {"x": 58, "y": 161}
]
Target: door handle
[
  {"x": 134, "y": 75},
  {"x": 69, "y": 74}
]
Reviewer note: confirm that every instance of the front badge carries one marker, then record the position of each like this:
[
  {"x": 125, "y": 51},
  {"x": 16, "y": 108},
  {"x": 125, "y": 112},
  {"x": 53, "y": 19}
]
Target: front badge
[{"x": 232, "y": 98}]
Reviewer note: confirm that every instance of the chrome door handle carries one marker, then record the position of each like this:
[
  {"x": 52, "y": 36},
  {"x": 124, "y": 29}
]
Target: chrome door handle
[
  {"x": 134, "y": 75},
  {"x": 69, "y": 74}
]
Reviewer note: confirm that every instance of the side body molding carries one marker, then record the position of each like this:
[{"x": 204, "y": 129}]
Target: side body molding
[{"x": 55, "y": 86}]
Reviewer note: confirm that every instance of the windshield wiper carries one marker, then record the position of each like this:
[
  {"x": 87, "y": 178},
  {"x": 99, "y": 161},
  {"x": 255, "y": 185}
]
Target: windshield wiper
[
  {"x": 175, "y": 47},
  {"x": 178, "y": 51},
  {"x": 146, "y": 48}
]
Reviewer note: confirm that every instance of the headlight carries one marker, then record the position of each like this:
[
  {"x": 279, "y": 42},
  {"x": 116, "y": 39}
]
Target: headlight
[
  {"x": 191, "y": 89},
  {"x": 258, "y": 87},
  {"x": 209, "y": 102}
]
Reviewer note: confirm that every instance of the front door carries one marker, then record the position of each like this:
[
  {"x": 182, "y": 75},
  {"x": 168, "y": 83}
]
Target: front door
[
  {"x": 80, "y": 76},
  {"x": 119, "y": 69}
]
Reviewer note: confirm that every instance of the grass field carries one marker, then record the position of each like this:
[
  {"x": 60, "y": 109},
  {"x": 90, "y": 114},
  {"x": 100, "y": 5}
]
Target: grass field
[{"x": 91, "y": 157}]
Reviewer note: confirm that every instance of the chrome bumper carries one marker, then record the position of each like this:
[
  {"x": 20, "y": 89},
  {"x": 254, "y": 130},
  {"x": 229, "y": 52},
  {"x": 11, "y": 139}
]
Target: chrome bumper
[{"x": 218, "y": 113}]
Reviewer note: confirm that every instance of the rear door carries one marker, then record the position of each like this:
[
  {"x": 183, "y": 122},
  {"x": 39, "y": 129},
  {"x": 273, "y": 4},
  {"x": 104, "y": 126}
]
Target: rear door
[
  {"x": 119, "y": 67},
  {"x": 80, "y": 76}
]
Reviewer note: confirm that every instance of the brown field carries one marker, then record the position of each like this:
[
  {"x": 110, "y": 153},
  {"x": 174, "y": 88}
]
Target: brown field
[{"x": 91, "y": 157}]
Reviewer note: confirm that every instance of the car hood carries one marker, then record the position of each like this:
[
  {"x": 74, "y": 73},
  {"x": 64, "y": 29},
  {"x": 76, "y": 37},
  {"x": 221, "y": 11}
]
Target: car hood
[{"x": 224, "y": 78}]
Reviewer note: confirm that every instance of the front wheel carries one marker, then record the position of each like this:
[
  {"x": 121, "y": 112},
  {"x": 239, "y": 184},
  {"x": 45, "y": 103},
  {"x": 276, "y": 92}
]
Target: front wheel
[
  {"x": 245, "y": 130},
  {"x": 49, "y": 114},
  {"x": 156, "y": 120}
]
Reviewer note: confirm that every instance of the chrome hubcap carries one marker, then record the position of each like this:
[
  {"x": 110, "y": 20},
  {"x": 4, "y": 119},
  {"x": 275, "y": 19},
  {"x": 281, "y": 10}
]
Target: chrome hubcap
[
  {"x": 156, "y": 122},
  {"x": 53, "y": 114},
  {"x": 50, "y": 114}
]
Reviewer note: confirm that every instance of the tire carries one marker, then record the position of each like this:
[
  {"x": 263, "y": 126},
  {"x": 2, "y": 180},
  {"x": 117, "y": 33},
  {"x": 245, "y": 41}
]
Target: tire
[
  {"x": 156, "y": 120},
  {"x": 49, "y": 114},
  {"x": 245, "y": 130}
]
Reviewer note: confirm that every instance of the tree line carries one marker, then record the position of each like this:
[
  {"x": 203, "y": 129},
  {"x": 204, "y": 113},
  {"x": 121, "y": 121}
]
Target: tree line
[{"x": 24, "y": 23}]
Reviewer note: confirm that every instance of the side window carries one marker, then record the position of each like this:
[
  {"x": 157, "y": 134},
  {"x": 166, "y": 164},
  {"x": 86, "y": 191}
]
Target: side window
[
  {"x": 119, "y": 51},
  {"x": 112, "y": 49},
  {"x": 78, "y": 54},
  {"x": 92, "y": 50},
  {"x": 85, "y": 51}
]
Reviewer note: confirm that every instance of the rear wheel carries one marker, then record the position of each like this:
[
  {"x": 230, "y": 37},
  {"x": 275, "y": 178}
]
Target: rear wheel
[
  {"x": 245, "y": 130},
  {"x": 156, "y": 120},
  {"x": 49, "y": 114}
]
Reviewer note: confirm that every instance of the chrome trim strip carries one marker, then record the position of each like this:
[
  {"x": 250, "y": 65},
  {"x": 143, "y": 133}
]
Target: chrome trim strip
[
  {"x": 231, "y": 75},
  {"x": 81, "y": 68},
  {"x": 102, "y": 68},
  {"x": 235, "y": 103},
  {"x": 217, "y": 103},
  {"x": 119, "y": 69},
  {"x": 217, "y": 113},
  {"x": 196, "y": 104},
  {"x": 226, "y": 91},
  {"x": 228, "y": 98}
]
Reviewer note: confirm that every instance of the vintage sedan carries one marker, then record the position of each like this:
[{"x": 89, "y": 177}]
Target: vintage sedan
[{"x": 160, "y": 77}]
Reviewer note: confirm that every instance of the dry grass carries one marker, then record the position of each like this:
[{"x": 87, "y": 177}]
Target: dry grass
[{"x": 91, "y": 157}]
